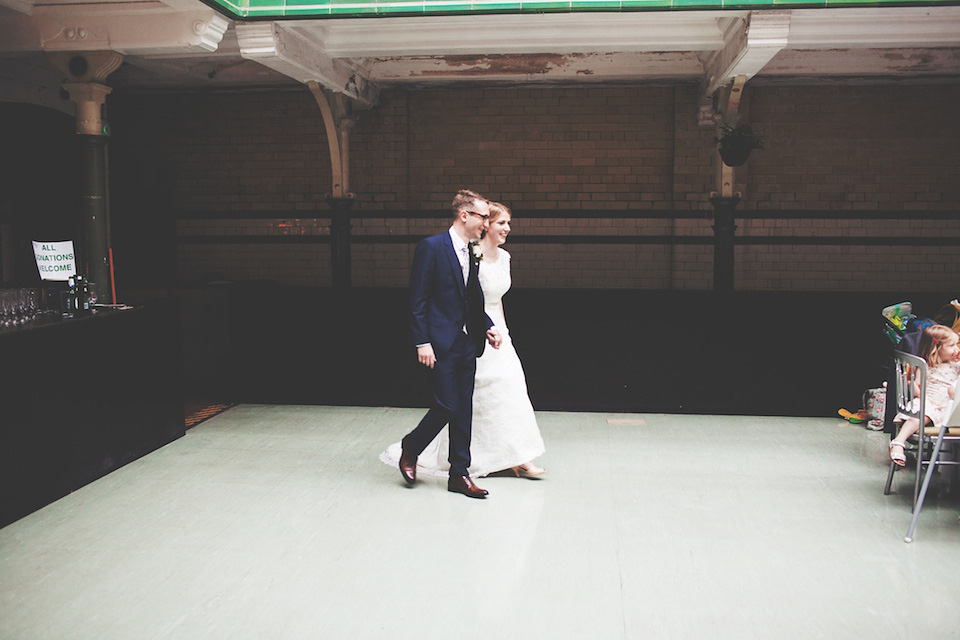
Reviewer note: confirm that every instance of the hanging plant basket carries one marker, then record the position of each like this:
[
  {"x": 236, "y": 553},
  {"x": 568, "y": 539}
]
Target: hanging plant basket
[{"x": 736, "y": 144}]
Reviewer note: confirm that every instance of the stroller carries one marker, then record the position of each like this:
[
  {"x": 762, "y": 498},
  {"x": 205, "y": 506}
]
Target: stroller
[
  {"x": 901, "y": 327},
  {"x": 876, "y": 412}
]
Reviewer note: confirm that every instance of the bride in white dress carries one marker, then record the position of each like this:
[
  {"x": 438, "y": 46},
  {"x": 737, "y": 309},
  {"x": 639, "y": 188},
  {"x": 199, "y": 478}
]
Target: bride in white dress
[{"x": 505, "y": 432}]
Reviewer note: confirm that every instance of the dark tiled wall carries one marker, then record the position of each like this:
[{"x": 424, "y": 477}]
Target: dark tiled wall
[{"x": 539, "y": 150}]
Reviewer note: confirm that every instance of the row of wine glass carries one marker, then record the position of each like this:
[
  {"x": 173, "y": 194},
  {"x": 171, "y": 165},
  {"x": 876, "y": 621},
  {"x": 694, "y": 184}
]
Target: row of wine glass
[{"x": 18, "y": 306}]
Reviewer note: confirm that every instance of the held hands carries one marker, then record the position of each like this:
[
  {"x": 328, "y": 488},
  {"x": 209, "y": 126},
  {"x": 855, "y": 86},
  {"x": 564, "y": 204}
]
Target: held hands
[{"x": 425, "y": 356}]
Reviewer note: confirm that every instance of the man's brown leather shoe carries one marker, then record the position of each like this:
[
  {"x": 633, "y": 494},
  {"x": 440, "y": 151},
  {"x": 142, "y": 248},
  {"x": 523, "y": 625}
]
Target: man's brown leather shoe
[
  {"x": 408, "y": 464},
  {"x": 464, "y": 485}
]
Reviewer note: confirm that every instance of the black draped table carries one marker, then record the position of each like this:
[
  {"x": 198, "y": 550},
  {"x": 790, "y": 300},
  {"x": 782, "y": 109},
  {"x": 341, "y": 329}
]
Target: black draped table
[{"x": 81, "y": 397}]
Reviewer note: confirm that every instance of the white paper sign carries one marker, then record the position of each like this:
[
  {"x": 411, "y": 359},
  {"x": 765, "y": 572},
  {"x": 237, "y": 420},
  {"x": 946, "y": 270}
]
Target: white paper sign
[{"x": 55, "y": 260}]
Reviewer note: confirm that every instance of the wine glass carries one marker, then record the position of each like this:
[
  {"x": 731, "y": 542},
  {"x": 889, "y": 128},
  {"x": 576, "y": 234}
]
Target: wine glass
[
  {"x": 21, "y": 302},
  {"x": 7, "y": 307},
  {"x": 33, "y": 301},
  {"x": 51, "y": 300}
]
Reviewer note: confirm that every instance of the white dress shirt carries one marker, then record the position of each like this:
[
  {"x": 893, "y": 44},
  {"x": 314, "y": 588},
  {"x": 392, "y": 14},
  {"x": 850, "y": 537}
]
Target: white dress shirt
[{"x": 463, "y": 253}]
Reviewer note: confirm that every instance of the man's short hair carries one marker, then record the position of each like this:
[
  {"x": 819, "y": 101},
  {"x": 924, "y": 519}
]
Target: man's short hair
[{"x": 464, "y": 200}]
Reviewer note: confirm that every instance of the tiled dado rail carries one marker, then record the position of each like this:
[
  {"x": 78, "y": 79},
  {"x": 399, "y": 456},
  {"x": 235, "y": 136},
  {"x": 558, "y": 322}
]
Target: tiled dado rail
[{"x": 724, "y": 228}]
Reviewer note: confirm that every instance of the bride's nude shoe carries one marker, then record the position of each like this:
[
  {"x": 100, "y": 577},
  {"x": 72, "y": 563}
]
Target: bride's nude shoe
[{"x": 530, "y": 471}]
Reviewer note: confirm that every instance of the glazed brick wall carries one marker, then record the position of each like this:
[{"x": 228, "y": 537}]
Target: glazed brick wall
[
  {"x": 852, "y": 149},
  {"x": 531, "y": 148},
  {"x": 863, "y": 148},
  {"x": 297, "y": 265},
  {"x": 542, "y": 150},
  {"x": 227, "y": 151}
]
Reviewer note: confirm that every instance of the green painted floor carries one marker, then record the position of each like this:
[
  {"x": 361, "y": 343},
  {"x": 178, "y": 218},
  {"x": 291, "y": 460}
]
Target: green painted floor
[{"x": 280, "y": 522}]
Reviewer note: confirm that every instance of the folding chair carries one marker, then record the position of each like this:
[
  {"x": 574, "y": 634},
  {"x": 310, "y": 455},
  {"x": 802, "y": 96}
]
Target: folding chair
[
  {"x": 909, "y": 394},
  {"x": 909, "y": 345}
]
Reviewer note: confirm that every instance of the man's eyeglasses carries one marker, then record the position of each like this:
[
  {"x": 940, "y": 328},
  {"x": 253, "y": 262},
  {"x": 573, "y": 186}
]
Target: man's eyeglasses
[{"x": 485, "y": 216}]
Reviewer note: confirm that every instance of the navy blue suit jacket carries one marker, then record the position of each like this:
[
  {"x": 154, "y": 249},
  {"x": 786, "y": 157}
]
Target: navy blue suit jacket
[{"x": 439, "y": 304}]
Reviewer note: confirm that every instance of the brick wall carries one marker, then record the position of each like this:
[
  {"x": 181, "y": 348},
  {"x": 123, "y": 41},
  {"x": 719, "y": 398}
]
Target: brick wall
[
  {"x": 531, "y": 148},
  {"x": 852, "y": 149},
  {"x": 542, "y": 150}
]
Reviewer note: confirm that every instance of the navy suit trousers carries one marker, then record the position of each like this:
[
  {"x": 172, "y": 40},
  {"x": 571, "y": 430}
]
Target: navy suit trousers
[{"x": 452, "y": 404}]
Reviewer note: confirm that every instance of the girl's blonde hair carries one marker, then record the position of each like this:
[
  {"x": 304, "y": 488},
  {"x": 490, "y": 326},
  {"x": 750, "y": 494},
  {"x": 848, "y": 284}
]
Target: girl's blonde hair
[
  {"x": 930, "y": 342},
  {"x": 497, "y": 209}
]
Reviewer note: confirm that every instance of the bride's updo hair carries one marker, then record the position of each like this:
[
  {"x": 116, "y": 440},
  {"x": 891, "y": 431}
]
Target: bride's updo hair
[{"x": 497, "y": 210}]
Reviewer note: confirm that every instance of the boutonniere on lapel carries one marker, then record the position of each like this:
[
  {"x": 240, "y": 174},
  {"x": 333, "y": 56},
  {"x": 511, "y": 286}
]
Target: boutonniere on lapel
[{"x": 475, "y": 252}]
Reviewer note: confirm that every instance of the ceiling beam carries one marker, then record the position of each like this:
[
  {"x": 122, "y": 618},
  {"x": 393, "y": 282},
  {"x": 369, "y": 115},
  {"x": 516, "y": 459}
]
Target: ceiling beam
[
  {"x": 894, "y": 27},
  {"x": 127, "y": 33},
  {"x": 20, "y": 6},
  {"x": 525, "y": 33},
  {"x": 287, "y": 50},
  {"x": 748, "y": 46},
  {"x": 543, "y": 68}
]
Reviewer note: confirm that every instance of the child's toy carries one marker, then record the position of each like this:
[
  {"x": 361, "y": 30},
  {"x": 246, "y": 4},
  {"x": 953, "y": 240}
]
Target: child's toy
[{"x": 853, "y": 418}]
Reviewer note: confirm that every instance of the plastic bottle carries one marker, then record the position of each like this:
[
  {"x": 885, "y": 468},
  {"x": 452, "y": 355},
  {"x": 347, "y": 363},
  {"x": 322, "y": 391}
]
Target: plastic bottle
[
  {"x": 69, "y": 298},
  {"x": 82, "y": 297}
]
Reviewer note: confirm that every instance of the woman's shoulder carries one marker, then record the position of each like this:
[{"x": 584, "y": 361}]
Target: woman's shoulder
[{"x": 503, "y": 254}]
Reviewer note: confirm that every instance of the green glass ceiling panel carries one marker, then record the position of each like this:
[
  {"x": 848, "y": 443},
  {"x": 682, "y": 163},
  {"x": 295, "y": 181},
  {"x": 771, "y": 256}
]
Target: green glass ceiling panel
[
  {"x": 645, "y": 4},
  {"x": 279, "y": 9}
]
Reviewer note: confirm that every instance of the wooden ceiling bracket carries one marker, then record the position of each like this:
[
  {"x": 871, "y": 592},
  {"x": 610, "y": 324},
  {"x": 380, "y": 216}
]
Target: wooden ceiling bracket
[{"x": 727, "y": 114}]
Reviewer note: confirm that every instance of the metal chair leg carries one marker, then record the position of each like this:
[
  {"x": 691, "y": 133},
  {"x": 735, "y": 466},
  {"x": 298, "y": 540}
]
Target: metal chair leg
[
  {"x": 886, "y": 489},
  {"x": 916, "y": 483},
  {"x": 926, "y": 483}
]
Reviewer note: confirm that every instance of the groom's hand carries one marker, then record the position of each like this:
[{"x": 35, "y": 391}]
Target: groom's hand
[
  {"x": 493, "y": 337},
  {"x": 425, "y": 356}
]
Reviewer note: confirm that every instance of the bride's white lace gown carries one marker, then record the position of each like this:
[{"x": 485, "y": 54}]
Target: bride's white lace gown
[{"x": 505, "y": 431}]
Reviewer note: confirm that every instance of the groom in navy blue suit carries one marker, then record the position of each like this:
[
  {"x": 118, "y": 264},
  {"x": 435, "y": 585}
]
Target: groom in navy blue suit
[{"x": 450, "y": 329}]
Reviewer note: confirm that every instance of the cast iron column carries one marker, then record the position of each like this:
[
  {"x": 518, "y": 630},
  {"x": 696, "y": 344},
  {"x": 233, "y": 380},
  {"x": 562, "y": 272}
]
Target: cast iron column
[
  {"x": 93, "y": 210},
  {"x": 92, "y": 136},
  {"x": 340, "y": 241},
  {"x": 723, "y": 230}
]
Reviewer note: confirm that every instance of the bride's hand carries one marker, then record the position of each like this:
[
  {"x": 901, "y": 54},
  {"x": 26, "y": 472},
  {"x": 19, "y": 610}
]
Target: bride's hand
[{"x": 494, "y": 338}]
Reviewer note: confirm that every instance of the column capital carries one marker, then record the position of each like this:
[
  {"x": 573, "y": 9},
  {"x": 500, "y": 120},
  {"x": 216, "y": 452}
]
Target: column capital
[
  {"x": 93, "y": 91},
  {"x": 86, "y": 66},
  {"x": 341, "y": 202},
  {"x": 89, "y": 97},
  {"x": 724, "y": 203}
]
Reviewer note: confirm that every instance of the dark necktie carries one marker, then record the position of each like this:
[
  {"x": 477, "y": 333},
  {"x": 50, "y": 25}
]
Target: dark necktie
[{"x": 475, "y": 324}]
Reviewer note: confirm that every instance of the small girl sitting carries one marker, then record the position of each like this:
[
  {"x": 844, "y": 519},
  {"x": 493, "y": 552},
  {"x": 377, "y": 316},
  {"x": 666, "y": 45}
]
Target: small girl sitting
[{"x": 938, "y": 346}]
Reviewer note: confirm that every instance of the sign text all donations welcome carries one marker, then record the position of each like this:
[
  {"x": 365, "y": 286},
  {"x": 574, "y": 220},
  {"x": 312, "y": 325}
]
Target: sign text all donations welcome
[{"x": 55, "y": 260}]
